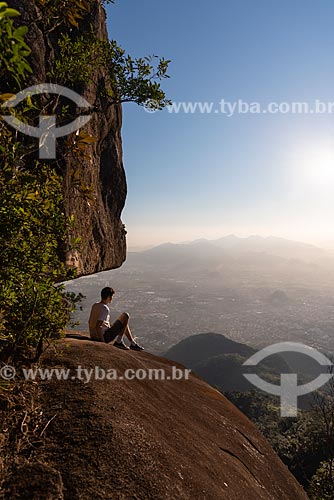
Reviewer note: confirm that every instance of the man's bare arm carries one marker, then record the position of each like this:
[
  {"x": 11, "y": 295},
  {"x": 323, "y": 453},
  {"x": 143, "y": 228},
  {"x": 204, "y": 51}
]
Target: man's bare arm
[{"x": 99, "y": 330}]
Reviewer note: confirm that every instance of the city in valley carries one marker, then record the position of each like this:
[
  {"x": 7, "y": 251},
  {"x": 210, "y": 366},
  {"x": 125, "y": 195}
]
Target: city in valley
[{"x": 253, "y": 290}]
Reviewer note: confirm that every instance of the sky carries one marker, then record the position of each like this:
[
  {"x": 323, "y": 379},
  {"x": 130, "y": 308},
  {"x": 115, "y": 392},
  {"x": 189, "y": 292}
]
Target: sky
[{"x": 205, "y": 175}]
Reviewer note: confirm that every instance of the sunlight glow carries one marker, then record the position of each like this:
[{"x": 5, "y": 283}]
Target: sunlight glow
[{"x": 316, "y": 167}]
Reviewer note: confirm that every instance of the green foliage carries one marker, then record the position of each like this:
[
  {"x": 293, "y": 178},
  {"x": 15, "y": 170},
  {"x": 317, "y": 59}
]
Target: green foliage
[
  {"x": 32, "y": 223},
  {"x": 135, "y": 80},
  {"x": 13, "y": 49},
  {"x": 70, "y": 13},
  {"x": 126, "y": 79},
  {"x": 300, "y": 442},
  {"x": 77, "y": 60},
  {"x": 5, "y": 11},
  {"x": 322, "y": 483}
]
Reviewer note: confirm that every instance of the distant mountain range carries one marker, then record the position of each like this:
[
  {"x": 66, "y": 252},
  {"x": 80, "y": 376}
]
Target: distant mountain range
[
  {"x": 234, "y": 246},
  {"x": 235, "y": 259},
  {"x": 280, "y": 247}
]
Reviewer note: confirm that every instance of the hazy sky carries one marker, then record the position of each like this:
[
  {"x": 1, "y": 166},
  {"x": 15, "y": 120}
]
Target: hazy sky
[{"x": 206, "y": 175}]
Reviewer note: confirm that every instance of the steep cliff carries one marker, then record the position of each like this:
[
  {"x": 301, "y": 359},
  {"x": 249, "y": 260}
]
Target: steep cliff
[{"x": 98, "y": 222}]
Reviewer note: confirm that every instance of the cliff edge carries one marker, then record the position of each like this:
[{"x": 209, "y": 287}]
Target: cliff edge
[
  {"x": 97, "y": 222},
  {"x": 145, "y": 439}
]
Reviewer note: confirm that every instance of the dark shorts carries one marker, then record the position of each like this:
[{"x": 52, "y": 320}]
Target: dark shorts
[{"x": 112, "y": 332}]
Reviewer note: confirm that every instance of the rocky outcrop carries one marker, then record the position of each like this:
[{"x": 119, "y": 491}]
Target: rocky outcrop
[
  {"x": 148, "y": 439},
  {"x": 97, "y": 220}
]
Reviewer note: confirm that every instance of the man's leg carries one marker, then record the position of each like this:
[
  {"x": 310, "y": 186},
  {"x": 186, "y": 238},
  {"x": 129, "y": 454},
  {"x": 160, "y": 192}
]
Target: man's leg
[
  {"x": 117, "y": 329},
  {"x": 124, "y": 319}
]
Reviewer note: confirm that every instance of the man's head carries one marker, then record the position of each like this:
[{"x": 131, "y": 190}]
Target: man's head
[{"x": 107, "y": 293}]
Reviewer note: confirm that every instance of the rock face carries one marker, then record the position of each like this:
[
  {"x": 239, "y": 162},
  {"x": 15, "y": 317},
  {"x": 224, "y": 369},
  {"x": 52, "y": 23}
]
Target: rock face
[
  {"x": 97, "y": 221},
  {"x": 150, "y": 439}
]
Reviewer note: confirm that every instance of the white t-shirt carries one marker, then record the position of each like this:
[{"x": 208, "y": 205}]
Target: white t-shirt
[{"x": 99, "y": 312}]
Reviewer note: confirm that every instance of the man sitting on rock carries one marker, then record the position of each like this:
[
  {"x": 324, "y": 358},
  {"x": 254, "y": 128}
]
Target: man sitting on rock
[{"x": 99, "y": 323}]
